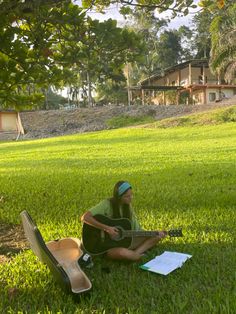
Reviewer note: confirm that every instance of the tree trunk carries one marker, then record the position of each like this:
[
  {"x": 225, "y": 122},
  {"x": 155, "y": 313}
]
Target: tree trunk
[
  {"x": 90, "y": 99},
  {"x": 128, "y": 86}
]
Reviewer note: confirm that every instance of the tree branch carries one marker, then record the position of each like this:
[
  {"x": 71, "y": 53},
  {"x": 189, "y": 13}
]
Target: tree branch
[
  {"x": 14, "y": 59},
  {"x": 151, "y": 6}
]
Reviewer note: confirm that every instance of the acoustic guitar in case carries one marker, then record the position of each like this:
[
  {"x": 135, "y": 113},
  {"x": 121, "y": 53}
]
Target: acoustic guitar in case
[{"x": 64, "y": 257}]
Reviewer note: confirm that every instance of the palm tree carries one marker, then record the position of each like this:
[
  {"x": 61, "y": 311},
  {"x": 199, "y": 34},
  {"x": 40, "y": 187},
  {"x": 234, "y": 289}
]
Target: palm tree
[{"x": 223, "y": 50}]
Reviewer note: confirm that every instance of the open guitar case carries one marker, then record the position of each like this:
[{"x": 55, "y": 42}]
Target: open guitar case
[{"x": 64, "y": 258}]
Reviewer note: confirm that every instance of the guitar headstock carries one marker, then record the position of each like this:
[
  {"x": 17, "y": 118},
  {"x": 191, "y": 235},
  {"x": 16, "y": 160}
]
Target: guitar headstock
[{"x": 175, "y": 233}]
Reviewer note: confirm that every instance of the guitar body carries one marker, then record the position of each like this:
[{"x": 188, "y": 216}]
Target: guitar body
[{"x": 96, "y": 241}]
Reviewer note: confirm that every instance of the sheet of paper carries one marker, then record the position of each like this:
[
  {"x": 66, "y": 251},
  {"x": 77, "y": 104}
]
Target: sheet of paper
[{"x": 166, "y": 262}]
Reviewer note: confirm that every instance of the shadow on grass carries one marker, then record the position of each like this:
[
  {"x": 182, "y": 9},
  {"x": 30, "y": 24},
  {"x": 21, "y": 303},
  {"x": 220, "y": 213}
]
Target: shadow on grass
[{"x": 205, "y": 278}]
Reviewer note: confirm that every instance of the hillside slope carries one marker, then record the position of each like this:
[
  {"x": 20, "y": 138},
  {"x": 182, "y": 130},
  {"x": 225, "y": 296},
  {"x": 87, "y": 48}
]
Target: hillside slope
[
  {"x": 43, "y": 124},
  {"x": 211, "y": 117}
]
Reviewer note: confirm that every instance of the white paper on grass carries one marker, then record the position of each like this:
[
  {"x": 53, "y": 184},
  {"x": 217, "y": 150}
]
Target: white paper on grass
[{"x": 166, "y": 262}]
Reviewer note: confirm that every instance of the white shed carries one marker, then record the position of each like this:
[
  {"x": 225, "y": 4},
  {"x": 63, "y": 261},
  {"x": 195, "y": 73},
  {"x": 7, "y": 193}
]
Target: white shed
[{"x": 10, "y": 123}]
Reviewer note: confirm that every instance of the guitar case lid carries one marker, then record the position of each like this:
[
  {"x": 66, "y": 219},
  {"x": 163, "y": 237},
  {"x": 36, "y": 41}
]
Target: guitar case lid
[{"x": 63, "y": 257}]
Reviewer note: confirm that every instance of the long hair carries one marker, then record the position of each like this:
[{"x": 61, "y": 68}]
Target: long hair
[{"x": 116, "y": 203}]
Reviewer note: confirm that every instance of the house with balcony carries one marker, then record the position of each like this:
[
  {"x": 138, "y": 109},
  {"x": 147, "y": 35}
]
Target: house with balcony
[{"x": 190, "y": 82}]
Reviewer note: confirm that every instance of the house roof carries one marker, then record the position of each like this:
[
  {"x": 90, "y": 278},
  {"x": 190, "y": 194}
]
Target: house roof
[
  {"x": 155, "y": 87},
  {"x": 194, "y": 63},
  {"x": 7, "y": 111}
]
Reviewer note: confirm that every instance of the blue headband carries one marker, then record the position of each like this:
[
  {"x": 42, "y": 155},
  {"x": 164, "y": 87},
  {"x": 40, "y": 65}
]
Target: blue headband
[{"x": 123, "y": 188}]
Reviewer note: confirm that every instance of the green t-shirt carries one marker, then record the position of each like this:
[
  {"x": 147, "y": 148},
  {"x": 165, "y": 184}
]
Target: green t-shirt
[{"x": 105, "y": 208}]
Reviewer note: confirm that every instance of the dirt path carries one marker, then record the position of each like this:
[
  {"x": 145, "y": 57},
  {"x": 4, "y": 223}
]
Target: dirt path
[{"x": 12, "y": 241}]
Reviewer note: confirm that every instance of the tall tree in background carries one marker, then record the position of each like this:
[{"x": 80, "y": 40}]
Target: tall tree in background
[
  {"x": 112, "y": 91},
  {"x": 148, "y": 26},
  {"x": 223, "y": 35},
  {"x": 201, "y": 40},
  {"x": 169, "y": 48},
  {"x": 163, "y": 47},
  {"x": 99, "y": 55},
  {"x": 186, "y": 35}
]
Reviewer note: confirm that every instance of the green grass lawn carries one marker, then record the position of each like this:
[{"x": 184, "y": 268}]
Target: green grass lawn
[{"x": 182, "y": 177}]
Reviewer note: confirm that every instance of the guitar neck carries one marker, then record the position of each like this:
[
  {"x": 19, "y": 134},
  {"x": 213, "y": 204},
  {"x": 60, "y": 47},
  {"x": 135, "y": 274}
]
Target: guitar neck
[{"x": 139, "y": 233}]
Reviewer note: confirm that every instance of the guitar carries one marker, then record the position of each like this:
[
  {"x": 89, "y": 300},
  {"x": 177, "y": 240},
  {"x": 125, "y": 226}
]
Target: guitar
[{"x": 97, "y": 241}]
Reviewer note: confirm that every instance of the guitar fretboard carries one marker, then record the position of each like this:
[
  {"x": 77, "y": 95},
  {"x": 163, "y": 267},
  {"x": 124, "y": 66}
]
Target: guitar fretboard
[{"x": 139, "y": 233}]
